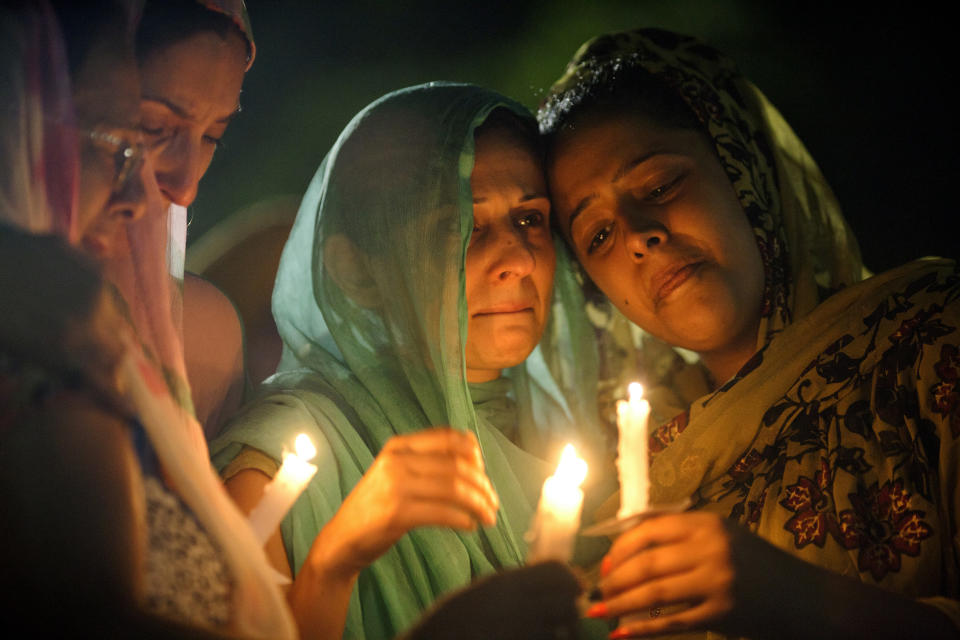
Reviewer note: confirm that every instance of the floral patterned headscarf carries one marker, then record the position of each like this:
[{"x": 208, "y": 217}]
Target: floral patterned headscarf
[
  {"x": 806, "y": 246},
  {"x": 839, "y": 440}
]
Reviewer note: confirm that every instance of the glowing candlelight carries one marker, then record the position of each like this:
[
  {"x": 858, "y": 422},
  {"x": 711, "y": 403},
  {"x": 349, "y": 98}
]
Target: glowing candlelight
[
  {"x": 557, "y": 519},
  {"x": 632, "y": 460},
  {"x": 280, "y": 494}
]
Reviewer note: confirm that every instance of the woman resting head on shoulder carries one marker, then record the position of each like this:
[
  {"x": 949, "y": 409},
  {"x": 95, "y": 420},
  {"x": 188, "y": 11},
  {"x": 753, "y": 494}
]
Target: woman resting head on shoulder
[
  {"x": 192, "y": 56},
  {"x": 831, "y": 429},
  {"x": 414, "y": 287}
]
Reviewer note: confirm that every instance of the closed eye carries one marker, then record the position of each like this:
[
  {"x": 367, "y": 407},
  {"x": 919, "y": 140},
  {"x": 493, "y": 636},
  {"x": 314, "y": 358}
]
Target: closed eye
[
  {"x": 155, "y": 135},
  {"x": 216, "y": 142},
  {"x": 663, "y": 190}
]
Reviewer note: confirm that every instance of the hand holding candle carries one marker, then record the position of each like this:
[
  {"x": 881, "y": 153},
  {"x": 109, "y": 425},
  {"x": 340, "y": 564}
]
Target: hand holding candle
[
  {"x": 632, "y": 459},
  {"x": 557, "y": 519},
  {"x": 283, "y": 490}
]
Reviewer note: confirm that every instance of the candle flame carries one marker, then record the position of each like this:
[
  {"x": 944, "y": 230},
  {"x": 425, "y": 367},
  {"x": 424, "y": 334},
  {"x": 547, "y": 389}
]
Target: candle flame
[
  {"x": 572, "y": 470},
  {"x": 635, "y": 389},
  {"x": 304, "y": 447}
]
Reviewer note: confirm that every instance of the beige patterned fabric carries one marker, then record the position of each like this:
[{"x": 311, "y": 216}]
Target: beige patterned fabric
[{"x": 839, "y": 440}]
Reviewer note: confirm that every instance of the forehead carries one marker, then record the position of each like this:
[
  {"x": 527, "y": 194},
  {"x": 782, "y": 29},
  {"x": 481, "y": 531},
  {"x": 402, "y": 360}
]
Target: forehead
[
  {"x": 106, "y": 87},
  {"x": 202, "y": 70},
  {"x": 595, "y": 148},
  {"x": 502, "y": 158}
]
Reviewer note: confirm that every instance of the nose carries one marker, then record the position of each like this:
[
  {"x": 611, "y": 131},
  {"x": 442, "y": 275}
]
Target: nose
[
  {"x": 513, "y": 257},
  {"x": 644, "y": 236},
  {"x": 179, "y": 168}
]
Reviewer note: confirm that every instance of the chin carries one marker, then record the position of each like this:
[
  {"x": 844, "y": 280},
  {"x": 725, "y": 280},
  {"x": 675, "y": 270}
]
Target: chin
[
  {"x": 514, "y": 348},
  {"x": 507, "y": 349}
]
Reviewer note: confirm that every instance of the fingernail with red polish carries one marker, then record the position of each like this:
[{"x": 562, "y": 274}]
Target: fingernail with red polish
[
  {"x": 605, "y": 566},
  {"x": 598, "y": 610},
  {"x": 619, "y": 634}
]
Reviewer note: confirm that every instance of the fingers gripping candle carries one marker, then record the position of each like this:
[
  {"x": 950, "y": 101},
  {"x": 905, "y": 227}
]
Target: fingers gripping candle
[
  {"x": 280, "y": 494},
  {"x": 632, "y": 461},
  {"x": 557, "y": 519}
]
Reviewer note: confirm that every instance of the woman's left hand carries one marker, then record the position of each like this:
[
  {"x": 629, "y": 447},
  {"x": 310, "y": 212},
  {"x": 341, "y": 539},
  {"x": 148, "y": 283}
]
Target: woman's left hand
[
  {"x": 695, "y": 571},
  {"x": 683, "y": 559}
]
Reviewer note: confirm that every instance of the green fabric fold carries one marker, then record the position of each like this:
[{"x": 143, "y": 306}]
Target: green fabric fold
[{"x": 370, "y": 304}]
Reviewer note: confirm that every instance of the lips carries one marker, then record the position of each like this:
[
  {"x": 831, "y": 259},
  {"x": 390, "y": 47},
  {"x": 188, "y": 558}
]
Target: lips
[
  {"x": 505, "y": 307},
  {"x": 668, "y": 280}
]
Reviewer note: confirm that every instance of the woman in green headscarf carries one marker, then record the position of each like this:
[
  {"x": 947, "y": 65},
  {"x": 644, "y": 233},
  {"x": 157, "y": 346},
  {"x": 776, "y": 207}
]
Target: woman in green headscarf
[
  {"x": 416, "y": 282},
  {"x": 821, "y": 453}
]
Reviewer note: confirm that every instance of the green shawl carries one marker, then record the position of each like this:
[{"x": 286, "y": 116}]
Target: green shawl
[{"x": 369, "y": 301}]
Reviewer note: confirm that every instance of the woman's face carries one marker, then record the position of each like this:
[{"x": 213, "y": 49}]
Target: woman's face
[
  {"x": 510, "y": 259},
  {"x": 653, "y": 218},
  {"x": 114, "y": 180},
  {"x": 190, "y": 92}
]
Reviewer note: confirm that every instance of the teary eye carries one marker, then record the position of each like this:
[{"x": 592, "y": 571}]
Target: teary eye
[
  {"x": 599, "y": 238},
  {"x": 530, "y": 219}
]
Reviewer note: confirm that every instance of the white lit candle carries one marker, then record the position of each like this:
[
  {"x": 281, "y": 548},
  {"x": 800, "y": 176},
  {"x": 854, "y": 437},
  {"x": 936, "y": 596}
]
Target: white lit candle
[
  {"x": 280, "y": 494},
  {"x": 557, "y": 519},
  {"x": 632, "y": 416}
]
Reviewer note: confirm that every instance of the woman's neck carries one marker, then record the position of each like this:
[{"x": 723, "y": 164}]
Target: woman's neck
[
  {"x": 475, "y": 376},
  {"x": 723, "y": 364}
]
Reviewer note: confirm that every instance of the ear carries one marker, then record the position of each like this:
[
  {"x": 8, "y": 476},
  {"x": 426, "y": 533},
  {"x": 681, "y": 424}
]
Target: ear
[{"x": 349, "y": 268}]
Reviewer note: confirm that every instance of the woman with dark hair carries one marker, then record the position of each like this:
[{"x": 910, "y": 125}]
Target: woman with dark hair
[
  {"x": 821, "y": 449},
  {"x": 193, "y": 55},
  {"x": 412, "y": 293},
  {"x": 112, "y": 513}
]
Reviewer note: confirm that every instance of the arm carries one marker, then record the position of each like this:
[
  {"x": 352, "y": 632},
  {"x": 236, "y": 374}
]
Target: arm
[
  {"x": 736, "y": 582},
  {"x": 430, "y": 478},
  {"x": 213, "y": 351}
]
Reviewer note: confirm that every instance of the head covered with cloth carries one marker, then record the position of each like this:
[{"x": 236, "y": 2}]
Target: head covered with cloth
[
  {"x": 371, "y": 300},
  {"x": 829, "y": 394}
]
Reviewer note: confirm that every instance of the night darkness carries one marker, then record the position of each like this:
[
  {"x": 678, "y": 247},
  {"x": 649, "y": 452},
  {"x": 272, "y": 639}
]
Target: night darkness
[{"x": 866, "y": 91}]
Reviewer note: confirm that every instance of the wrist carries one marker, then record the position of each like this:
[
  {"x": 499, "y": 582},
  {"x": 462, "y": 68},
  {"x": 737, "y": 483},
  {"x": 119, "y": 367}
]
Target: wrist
[{"x": 329, "y": 559}]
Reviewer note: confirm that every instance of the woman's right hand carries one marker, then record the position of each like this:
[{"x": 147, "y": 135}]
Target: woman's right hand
[{"x": 433, "y": 477}]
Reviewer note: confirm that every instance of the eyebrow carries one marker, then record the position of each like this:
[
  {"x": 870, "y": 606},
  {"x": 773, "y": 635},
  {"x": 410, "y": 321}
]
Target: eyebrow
[
  {"x": 621, "y": 171},
  {"x": 524, "y": 198},
  {"x": 186, "y": 115}
]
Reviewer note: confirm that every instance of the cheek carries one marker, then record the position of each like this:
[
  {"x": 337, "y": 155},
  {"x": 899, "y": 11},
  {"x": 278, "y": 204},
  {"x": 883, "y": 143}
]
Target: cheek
[
  {"x": 96, "y": 188},
  {"x": 473, "y": 276},
  {"x": 546, "y": 268}
]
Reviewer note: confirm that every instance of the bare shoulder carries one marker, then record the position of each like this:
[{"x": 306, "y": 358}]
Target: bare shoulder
[
  {"x": 246, "y": 488},
  {"x": 213, "y": 352},
  {"x": 208, "y": 309}
]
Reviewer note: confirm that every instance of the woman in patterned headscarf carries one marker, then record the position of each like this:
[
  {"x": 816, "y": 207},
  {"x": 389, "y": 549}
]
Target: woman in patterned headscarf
[{"x": 821, "y": 454}]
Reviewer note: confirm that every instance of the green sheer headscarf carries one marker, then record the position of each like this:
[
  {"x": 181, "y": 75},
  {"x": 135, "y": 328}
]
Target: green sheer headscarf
[{"x": 369, "y": 301}]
